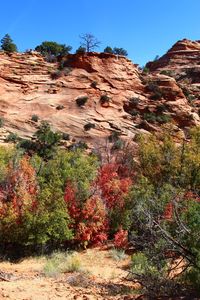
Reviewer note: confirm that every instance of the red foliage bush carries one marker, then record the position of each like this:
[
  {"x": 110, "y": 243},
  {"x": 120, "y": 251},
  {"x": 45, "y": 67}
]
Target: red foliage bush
[
  {"x": 89, "y": 219},
  {"x": 112, "y": 186},
  {"x": 121, "y": 239}
]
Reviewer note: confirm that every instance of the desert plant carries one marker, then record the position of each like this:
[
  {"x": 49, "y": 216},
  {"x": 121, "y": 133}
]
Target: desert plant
[
  {"x": 89, "y": 42},
  {"x": 89, "y": 126},
  {"x": 134, "y": 100},
  {"x": 35, "y": 118},
  {"x": 120, "y": 51},
  {"x": 65, "y": 136},
  {"x": 62, "y": 262},
  {"x": 94, "y": 84},
  {"x": 53, "y": 48},
  {"x": 2, "y": 122},
  {"x": 81, "y": 101},
  {"x": 118, "y": 254},
  {"x": 7, "y": 44},
  {"x": 12, "y": 137},
  {"x": 81, "y": 50},
  {"x": 60, "y": 107},
  {"x": 104, "y": 99},
  {"x": 108, "y": 49}
]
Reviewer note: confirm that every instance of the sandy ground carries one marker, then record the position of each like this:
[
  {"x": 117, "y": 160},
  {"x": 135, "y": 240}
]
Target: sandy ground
[{"x": 105, "y": 279}]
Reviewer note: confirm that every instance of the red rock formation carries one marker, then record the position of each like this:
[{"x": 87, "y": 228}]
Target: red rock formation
[{"x": 27, "y": 88}]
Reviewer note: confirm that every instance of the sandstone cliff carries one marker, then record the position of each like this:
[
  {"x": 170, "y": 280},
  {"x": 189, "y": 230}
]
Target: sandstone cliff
[{"x": 119, "y": 97}]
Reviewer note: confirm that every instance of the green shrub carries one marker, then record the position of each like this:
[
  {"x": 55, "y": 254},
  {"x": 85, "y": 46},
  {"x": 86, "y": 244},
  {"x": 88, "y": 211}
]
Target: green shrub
[
  {"x": 2, "y": 122},
  {"x": 134, "y": 101},
  {"x": 81, "y": 101},
  {"x": 117, "y": 254},
  {"x": 12, "y": 137},
  {"x": 7, "y": 44},
  {"x": 81, "y": 50},
  {"x": 62, "y": 262},
  {"x": 150, "y": 117},
  {"x": 133, "y": 112},
  {"x": 114, "y": 136},
  {"x": 153, "y": 118},
  {"x": 35, "y": 118},
  {"x": 89, "y": 126},
  {"x": 104, "y": 99},
  {"x": 118, "y": 145},
  {"x": 94, "y": 84},
  {"x": 65, "y": 136},
  {"x": 145, "y": 70},
  {"x": 60, "y": 107},
  {"x": 156, "y": 90}
]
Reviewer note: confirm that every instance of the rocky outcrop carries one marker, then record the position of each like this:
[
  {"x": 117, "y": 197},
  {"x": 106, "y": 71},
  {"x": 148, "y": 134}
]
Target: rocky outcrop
[
  {"x": 182, "y": 62},
  {"x": 117, "y": 96}
]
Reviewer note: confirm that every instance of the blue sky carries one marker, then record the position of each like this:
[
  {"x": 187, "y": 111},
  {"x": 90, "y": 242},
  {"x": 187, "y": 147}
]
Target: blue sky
[{"x": 145, "y": 28}]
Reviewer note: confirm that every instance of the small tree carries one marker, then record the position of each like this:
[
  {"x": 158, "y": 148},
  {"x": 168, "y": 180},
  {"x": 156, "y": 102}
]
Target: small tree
[
  {"x": 81, "y": 50},
  {"x": 7, "y": 44},
  {"x": 120, "y": 51},
  {"x": 53, "y": 48},
  {"x": 89, "y": 42},
  {"x": 108, "y": 49}
]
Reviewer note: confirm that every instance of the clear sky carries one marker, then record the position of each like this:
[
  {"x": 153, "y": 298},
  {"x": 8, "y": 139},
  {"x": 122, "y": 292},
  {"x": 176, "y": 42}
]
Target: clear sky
[{"x": 145, "y": 28}]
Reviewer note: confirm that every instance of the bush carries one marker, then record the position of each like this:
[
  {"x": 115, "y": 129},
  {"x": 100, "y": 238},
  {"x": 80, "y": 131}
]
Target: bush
[
  {"x": 104, "y": 99},
  {"x": 118, "y": 255},
  {"x": 2, "y": 122},
  {"x": 81, "y": 50},
  {"x": 89, "y": 126},
  {"x": 120, "y": 51},
  {"x": 133, "y": 112},
  {"x": 12, "y": 137},
  {"x": 35, "y": 118},
  {"x": 53, "y": 48},
  {"x": 121, "y": 239},
  {"x": 108, "y": 49},
  {"x": 62, "y": 262},
  {"x": 65, "y": 136},
  {"x": 7, "y": 44},
  {"x": 60, "y": 107},
  {"x": 94, "y": 84},
  {"x": 118, "y": 145},
  {"x": 156, "y": 90},
  {"x": 114, "y": 137},
  {"x": 81, "y": 101},
  {"x": 134, "y": 100},
  {"x": 153, "y": 118}
]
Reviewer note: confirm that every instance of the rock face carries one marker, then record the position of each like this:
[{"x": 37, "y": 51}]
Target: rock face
[
  {"x": 106, "y": 91},
  {"x": 182, "y": 62}
]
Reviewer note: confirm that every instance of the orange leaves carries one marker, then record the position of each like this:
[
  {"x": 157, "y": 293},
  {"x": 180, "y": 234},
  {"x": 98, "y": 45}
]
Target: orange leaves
[
  {"x": 113, "y": 186},
  {"x": 20, "y": 189}
]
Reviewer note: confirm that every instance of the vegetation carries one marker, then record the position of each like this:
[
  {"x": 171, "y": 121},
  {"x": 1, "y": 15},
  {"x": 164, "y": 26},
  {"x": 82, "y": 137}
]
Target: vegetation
[
  {"x": 35, "y": 118},
  {"x": 120, "y": 51},
  {"x": 49, "y": 48},
  {"x": 108, "y": 49},
  {"x": 160, "y": 118},
  {"x": 104, "y": 99},
  {"x": 89, "y": 126},
  {"x": 116, "y": 51},
  {"x": 165, "y": 216},
  {"x": 81, "y": 50},
  {"x": 89, "y": 42},
  {"x": 53, "y": 198},
  {"x": 12, "y": 137},
  {"x": 60, "y": 262},
  {"x": 2, "y": 122},
  {"x": 81, "y": 100},
  {"x": 7, "y": 44}
]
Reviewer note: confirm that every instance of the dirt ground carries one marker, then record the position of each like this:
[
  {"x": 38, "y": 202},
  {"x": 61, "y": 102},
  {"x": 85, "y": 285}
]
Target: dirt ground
[{"x": 106, "y": 279}]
